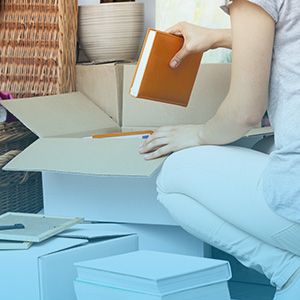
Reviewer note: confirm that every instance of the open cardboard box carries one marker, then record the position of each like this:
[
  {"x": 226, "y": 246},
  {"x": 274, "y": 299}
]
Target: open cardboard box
[
  {"x": 98, "y": 179},
  {"x": 64, "y": 124}
]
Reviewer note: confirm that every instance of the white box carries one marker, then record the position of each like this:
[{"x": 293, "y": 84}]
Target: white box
[
  {"x": 66, "y": 194},
  {"x": 123, "y": 199},
  {"x": 46, "y": 270}
]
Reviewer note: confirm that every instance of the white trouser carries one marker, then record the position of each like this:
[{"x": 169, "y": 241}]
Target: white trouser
[{"x": 214, "y": 192}]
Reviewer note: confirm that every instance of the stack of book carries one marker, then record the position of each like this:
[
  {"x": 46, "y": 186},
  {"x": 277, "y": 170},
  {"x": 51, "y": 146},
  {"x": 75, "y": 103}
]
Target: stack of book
[{"x": 148, "y": 275}]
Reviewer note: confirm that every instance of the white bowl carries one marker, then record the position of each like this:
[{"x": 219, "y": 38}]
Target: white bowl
[{"x": 111, "y": 31}]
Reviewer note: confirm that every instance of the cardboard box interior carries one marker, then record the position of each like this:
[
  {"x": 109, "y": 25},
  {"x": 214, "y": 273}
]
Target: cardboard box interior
[{"x": 102, "y": 84}]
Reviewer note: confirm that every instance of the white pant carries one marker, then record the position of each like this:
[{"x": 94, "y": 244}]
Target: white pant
[{"x": 214, "y": 192}]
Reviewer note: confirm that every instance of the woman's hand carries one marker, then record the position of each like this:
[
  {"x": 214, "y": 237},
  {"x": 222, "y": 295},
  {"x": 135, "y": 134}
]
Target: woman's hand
[
  {"x": 169, "y": 139},
  {"x": 198, "y": 39}
]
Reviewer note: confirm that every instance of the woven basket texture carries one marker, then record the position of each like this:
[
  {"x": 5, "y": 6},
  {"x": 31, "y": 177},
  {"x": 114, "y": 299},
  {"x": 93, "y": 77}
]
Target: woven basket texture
[
  {"x": 19, "y": 191},
  {"x": 37, "y": 46}
]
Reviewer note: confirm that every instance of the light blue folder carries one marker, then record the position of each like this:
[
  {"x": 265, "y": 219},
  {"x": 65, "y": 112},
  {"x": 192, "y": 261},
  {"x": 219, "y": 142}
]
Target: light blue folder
[{"x": 153, "y": 272}]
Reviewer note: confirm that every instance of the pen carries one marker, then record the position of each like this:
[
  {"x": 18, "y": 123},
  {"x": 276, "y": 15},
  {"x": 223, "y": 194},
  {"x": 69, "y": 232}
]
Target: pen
[
  {"x": 14, "y": 226},
  {"x": 120, "y": 134}
]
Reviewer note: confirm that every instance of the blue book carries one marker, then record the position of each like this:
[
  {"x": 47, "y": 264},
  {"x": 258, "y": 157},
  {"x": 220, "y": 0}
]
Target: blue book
[
  {"x": 154, "y": 272},
  {"x": 90, "y": 291}
]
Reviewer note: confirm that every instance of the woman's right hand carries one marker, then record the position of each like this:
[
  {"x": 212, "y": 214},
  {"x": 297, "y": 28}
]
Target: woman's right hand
[{"x": 197, "y": 39}]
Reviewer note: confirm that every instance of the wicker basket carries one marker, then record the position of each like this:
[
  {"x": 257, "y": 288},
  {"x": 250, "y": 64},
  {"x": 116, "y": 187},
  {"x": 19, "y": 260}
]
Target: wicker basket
[
  {"x": 19, "y": 191},
  {"x": 37, "y": 46}
]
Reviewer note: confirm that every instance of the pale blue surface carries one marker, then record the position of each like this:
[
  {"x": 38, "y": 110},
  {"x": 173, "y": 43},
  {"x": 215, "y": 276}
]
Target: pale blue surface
[
  {"x": 154, "y": 272},
  {"x": 154, "y": 265}
]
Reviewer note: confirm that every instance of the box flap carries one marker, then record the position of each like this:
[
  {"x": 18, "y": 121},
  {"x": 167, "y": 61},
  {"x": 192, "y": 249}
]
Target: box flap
[
  {"x": 61, "y": 115},
  {"x": 260, "y": 131},
  {"x": 116, "y": 157}
]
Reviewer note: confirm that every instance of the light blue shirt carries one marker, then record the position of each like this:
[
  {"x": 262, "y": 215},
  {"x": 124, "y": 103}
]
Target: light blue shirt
[{"x": 281, "y": 178}]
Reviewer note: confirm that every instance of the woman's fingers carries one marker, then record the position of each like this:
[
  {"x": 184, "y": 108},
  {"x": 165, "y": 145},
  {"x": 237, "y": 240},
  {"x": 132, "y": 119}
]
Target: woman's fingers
[
  {"x": 153, "y": 145},
  {"x": 163, "y": 131},
  {"x": 179, "y": 57},
  {"x": 160, "y": 152},
  {"x": 178, "y": 29},
  {"x": 175, "y": 29}
]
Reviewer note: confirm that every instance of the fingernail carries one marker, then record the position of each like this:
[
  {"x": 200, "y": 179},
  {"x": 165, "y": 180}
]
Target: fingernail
[
  {"x": 147, "y": 156},
  {"x": 174, "y": 64}
]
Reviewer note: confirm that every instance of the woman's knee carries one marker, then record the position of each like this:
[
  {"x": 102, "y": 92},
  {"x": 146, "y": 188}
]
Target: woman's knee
[
  {"x": 175, "y": 173},
  {"x": 166, "y": 175},
  {"x": 180, "y": 168}
]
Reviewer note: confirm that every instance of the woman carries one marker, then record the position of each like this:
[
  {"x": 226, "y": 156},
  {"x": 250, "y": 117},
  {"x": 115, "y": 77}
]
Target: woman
[{"x": 241, "y": 201}]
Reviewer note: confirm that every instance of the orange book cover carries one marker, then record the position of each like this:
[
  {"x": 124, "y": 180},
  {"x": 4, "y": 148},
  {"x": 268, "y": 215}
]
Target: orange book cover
[{"x": 154, "y": 79}]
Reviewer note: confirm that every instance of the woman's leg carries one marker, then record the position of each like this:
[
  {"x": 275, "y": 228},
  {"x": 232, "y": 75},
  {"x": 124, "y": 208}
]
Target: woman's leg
[
  {"x": 227, "y": 181},
  {"x": 214, "y": 193},
  {"x": 276, "y": 264}
]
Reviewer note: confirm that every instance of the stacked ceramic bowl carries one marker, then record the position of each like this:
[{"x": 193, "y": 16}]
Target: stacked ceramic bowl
[{"x": 111, "y": 31}]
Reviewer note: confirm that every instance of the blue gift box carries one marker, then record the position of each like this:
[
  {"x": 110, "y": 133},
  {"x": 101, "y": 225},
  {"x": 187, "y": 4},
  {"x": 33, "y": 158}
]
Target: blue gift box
[{"x": 149, "y": 275}]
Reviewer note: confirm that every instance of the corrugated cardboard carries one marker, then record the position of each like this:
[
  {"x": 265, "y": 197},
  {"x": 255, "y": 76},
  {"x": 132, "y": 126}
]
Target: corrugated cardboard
[
  {"x": 85, "y": 156},
  {"x": 46, "y": 270},
  {"x": 62, "y": 122},
  {"x": 62, "y": 115},
  {"x": 103, "y": 84}
]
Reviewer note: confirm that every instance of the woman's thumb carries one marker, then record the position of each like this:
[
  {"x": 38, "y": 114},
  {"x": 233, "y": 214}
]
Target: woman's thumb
[{"x": 178, "y": 58}]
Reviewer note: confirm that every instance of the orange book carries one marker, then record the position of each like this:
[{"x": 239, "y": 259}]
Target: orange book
[{"x": 154, "y": 79}]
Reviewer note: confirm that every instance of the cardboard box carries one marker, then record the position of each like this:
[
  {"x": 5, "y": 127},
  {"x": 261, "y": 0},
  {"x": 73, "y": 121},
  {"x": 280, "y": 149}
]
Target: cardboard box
[
  {"x": 46, "y": 270},
  {"x": 122, "y": 188},
  {"x": 103, "y": 84},
  {"x": 127, "y": 199},
  {"x": 64, "y": 124}
]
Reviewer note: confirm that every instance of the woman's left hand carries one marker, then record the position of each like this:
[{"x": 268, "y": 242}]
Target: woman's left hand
[{"x": 169, "y": 139}]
